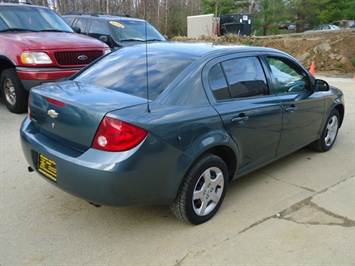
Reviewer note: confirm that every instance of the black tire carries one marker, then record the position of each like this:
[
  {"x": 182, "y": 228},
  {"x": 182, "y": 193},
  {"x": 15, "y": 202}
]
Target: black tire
[
  {"x": 12, "y": 91},
  {"x": 207, "y": 180},
  {"x": 329, "y": 134}
]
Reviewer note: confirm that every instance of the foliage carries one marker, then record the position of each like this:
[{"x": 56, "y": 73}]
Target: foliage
[
  {"x": 310, "y": 13},
  {"x": 170, "y": 16},
  {"x": 268, "y": 15},
  {"x": 179, "y": 23},
  {"x": 222, "y": 7}
]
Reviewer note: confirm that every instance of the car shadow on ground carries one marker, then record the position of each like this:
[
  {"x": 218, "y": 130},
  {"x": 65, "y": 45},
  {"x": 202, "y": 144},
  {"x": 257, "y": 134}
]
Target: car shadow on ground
[{"x": 240, "y": 194}]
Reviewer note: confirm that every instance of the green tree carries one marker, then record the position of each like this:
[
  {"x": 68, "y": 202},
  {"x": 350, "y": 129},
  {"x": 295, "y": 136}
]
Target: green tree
[
  {"x": 310, "y": 13},
  {"x": 268, "y": 14},
  {"x": 345, "y": 9},
  {"x": 306, "y": 14},
  {"x": 222, "y": 7},
  {"x": 178, "y": 23}
]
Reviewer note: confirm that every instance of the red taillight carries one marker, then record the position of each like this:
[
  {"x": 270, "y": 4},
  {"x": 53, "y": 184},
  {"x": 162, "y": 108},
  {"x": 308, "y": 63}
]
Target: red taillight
[
  {"x": 116, "y": 135},
  {"x": 55, "y": 102}
]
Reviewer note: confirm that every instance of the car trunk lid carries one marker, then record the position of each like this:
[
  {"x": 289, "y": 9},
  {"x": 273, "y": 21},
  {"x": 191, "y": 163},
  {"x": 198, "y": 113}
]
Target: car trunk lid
[{"x": 70, "y": 112}]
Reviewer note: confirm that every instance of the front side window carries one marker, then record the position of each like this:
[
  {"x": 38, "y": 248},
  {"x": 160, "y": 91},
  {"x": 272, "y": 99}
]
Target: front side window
[
  {"x": 288, "y": 78},
  {"x": 238, "y": 78},
  {"x": 68, "y": 20},
  {"x": 81, "y": 23},
  {"x": 97, "y": 29}
]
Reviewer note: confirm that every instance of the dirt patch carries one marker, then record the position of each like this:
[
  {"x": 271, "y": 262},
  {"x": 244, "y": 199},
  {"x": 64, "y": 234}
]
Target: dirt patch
[{"x": 331, "y": 51}]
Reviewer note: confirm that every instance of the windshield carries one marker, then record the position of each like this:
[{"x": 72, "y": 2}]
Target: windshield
[
  {"x": 125, "y": 71},
  {"x": 27, "y": 18},
  {"x": 134, "y": 30}
]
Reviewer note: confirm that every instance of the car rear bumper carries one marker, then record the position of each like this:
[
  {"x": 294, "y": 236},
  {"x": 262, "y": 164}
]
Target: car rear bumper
[
  {"x": 141, "y": 176},
  {"x": 32, "y": 77}
]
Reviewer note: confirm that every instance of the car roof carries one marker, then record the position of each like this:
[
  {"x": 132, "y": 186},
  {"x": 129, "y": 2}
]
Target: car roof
[
  {"x": 200, "y": 49},
  {"x": 103, "y": 16}
]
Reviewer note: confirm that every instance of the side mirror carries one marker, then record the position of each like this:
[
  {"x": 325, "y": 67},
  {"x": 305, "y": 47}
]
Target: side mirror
[
  {"x": 76, "y": 29},
  {"x": 321, "y": 85},
  {"x": 106, "y": 39}
]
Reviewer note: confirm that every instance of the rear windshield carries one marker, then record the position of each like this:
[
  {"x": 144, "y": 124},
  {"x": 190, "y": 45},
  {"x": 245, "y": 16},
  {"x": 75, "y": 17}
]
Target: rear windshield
[{"x": 126, "y": 71}]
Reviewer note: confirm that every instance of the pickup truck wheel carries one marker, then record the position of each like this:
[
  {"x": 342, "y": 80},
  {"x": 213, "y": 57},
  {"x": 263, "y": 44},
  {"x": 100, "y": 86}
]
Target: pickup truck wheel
[
  {"x": 202, "y": 191},
  {"x": 12, "y": 91}
]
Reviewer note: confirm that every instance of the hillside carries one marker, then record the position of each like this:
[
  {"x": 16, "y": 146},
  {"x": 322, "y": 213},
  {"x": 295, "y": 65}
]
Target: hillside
[{"x": 332, "y": 52}]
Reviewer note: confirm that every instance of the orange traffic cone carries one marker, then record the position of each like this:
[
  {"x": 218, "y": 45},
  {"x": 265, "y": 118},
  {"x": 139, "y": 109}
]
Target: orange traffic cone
[
  {"x": 354, "y": 77},
  {"x": 311, "y": 70}
]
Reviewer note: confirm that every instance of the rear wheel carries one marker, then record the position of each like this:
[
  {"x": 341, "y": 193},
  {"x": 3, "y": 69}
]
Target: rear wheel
[
  {"x": 12, "y": 91},
  {"x": 202, "y": 191},
  {"x": 329, "y": 134}
]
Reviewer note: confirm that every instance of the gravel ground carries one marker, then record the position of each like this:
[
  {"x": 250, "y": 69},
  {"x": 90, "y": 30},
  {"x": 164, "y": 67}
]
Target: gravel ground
[{"x": 299, "y": 210}]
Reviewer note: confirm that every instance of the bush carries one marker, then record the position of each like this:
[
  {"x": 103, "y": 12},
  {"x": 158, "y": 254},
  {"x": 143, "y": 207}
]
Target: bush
[{"x": 353, "y": 61}]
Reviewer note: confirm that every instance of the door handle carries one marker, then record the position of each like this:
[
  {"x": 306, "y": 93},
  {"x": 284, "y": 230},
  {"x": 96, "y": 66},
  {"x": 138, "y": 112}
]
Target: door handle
[
  {"x": 291, "y": 109},
  {"x": 240, "y": 119}
]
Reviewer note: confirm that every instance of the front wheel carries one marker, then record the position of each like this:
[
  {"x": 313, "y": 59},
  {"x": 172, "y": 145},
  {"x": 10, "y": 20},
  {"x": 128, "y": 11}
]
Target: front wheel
[
  {"x": 202, "y": 191},
  {"x": 329, "y": 134},
  {"x": 12, "y": 91}
]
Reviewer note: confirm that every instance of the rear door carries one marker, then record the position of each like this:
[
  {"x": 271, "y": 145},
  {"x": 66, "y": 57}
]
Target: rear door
[
  {"x": 250, "y": 114},
  {"x": 302, "y": 107}
]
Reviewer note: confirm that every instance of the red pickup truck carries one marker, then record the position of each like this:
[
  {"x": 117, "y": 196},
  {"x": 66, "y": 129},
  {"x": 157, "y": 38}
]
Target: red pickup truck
[{"x": 37, "y": 46}]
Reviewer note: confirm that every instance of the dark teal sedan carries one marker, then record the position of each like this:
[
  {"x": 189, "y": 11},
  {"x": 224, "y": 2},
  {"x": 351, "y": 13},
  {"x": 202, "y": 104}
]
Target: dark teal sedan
[{"x": 174, "y": 123}]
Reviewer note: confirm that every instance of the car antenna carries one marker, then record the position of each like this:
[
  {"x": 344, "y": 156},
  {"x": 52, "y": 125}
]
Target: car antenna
[{"x": 146, "y": 54}]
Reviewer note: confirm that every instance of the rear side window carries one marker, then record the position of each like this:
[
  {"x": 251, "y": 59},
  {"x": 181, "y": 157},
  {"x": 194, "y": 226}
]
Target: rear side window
[
  {"x": 218, "y": 83},
  {"x": 238, "y": 78}
]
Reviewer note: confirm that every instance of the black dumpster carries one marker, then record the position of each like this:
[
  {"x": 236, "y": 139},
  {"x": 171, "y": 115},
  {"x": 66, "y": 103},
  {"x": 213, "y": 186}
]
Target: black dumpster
[{"x": 239, "y": 24}]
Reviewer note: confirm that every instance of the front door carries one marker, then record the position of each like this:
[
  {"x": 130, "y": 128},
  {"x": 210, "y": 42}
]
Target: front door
[{"x": 302, "y": 108}]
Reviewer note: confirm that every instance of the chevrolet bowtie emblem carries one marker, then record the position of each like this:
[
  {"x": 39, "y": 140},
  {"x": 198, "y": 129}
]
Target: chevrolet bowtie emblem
[{"x": 52, "y": 113}]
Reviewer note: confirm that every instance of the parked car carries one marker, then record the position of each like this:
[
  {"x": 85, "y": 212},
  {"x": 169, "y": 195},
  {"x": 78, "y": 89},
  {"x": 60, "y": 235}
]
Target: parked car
[
  {"x": 282, "y": 25},
  {"x": 37, "y": 46},
  {"x": 325, "y": 27},
  {"x": 344, "y": 24},
  {"x": 114, "y": 30},
  {"x": 292, "y": 26},
  {"x": 136, "y": 129}
]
